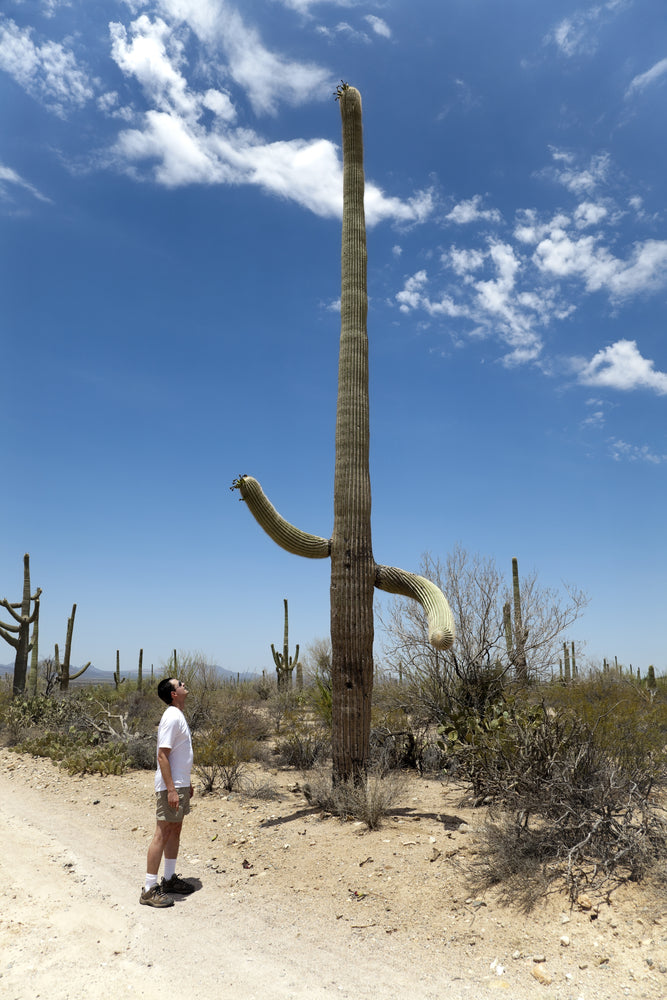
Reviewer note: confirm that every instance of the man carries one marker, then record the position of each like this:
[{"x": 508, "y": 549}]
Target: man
[{"x": 173, "y": 790}]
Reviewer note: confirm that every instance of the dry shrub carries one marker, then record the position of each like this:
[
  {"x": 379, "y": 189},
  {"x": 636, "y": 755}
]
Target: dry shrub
[
  {"x": 303, "y": 746},
  {"x": 565, "y": 807},
  {"x": 368, "y": 802}
]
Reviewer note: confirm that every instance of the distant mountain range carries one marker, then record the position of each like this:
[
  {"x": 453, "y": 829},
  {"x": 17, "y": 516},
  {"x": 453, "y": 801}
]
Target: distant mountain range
[{"x": 95, "y": 676}]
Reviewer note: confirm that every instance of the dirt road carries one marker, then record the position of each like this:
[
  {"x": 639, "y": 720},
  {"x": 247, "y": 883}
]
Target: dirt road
[{"x": 71, "y": 927}]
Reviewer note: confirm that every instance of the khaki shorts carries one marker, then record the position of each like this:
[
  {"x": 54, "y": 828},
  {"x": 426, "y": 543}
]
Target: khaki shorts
[{"x": 163, "y": 810}]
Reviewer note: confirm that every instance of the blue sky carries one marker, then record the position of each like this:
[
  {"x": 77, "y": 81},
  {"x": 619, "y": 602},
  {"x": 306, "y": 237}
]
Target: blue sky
[{"x": 170, "y": 195}]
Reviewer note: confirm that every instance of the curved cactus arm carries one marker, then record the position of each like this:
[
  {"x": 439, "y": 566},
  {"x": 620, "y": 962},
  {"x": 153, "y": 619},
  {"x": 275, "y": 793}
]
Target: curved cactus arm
[
  {"x": 300, "y": 543},
  {"x": 441, "y": 629},
  {"x": 277, "y": 657},
  {"x": 73, "y": 677},
  {"x": 4, "y": 633},
  {"x": 10, "y": 607}
]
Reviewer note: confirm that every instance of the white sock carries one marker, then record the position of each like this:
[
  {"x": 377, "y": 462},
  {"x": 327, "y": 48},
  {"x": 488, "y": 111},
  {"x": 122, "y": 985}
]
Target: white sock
[
  {"x": 151, "y": 880},
  {"x": 169, "y": 867}
]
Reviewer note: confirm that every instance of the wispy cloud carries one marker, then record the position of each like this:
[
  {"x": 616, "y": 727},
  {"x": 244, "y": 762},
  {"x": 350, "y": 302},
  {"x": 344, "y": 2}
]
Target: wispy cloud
[
  {"x": 10, "y": 179},
  {"x": 621, "y": 366},
  {"x": 48, "y": 71},
  {"x": 621, "y": 451},
  {"x": 577, "y": 34},
  {"x": 188, "y": 133},
  {"x": 304, "y": 6},
  {"x": 514, "y": 285},
  {"x": 647, "y": 79},
  {"x": 471, "y": 211},
  {"x": 379, "y": 26}
]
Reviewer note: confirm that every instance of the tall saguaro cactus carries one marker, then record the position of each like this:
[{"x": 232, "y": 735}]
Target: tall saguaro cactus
[
  {"x": 285, "y": 664},
  {"x": 354, "y": 572},
  {"x": 63, "y": 671},
  {"x": 17, "y": 632},
  {"x": 516, "y": 633}
]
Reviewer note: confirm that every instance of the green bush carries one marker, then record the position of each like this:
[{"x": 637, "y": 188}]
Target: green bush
[
  {"x": 568, "y": 804},
  {"x": 78, "y": 753}
]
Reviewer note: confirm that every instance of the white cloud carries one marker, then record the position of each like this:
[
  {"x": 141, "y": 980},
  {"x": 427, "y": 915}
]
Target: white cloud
[
  {"x": 497, "y": 307},
  {"x": 470, "y": 211},
  {"x": 621, "y": 451},
  {"x": 582, "y": 181},
  {"x": 48, "y": 72},
  {"x": 268, "y": 78},
  {"x": 303, "y": 6},
  {"x": 379, "y": 26},
  {"x": 586, "y": 258},
  {"x": 343, "y": 28},
  {"x": 647, "y": 79},
  {"x": 589, "y": 214},
  {"x": 153, "y": 53},
  {"x": 9, "y": 178},
  {"x": 577, "y": 35},
  {"x": 621, "y": 366},
  {"x": 463, "y": 262}
]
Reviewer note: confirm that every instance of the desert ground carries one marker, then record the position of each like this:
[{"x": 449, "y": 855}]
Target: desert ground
[{"x": 290, "y": 903}]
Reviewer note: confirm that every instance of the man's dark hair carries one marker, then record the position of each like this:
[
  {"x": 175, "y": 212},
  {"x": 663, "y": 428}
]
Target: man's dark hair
[{"x": 164, "y": 689}]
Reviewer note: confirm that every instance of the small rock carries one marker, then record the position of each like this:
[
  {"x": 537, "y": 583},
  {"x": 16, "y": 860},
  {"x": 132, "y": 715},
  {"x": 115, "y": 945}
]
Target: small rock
[
  {"x": 584, "y": 902},
  {"x": 564, "y": 941},
  {"x": 539, "y": 958},
  {"x": 541, "y": 975}
]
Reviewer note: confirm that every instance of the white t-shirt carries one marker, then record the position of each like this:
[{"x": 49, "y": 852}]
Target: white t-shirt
[{"x": 174, "y": 734}]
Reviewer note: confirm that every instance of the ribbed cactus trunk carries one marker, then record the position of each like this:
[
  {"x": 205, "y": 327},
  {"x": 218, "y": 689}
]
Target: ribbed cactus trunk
[
  {"x": 34, "y": 656},
  {"x": 17, "y": 632},
  {"x": 23, "y": 644},
  {"x": 352, "y": 563},
  {"x": 354, "y": 572},
  {"x": 65, "y": 675},
  {"x": 520, "y": 633}
]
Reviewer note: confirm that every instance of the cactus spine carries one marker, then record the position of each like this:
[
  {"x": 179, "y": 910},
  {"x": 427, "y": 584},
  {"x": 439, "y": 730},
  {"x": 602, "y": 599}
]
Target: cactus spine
[
  {"x": 285, "y": 664},
  {"x": 354, "y": 572},
  {"x": 17, "y": 632}
]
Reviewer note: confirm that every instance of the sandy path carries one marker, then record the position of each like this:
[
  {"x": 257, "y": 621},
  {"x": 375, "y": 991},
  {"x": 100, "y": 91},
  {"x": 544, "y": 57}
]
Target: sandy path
[{"x": 72, "y": 928}]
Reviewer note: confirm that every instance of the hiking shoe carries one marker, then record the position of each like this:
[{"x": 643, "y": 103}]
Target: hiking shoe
[
  {"x": 156, "y": 896},
  {"x": 177, "y": 884}
]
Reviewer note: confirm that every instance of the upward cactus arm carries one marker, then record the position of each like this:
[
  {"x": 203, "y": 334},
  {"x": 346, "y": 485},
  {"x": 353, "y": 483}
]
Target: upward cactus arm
[
  {"x": 298, "y": 542},
  {"x": 441, "y": 629}
]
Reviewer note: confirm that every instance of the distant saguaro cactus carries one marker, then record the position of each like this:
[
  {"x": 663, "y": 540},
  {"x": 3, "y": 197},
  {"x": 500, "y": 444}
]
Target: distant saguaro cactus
[
  {"x": 17, "y": 632},
  {"x": 117, "y": 679},
  {"x": 285, "y": 664},
  {"x": 64, "y": 675},
  {"x": 566, "y": 657},
  {"x": 354, "y": 572},
  {"x": 516, "y": 633}
]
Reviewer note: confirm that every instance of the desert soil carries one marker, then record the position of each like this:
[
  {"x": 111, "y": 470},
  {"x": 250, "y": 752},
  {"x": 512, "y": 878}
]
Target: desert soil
[{"x": 290, "y": 904}]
